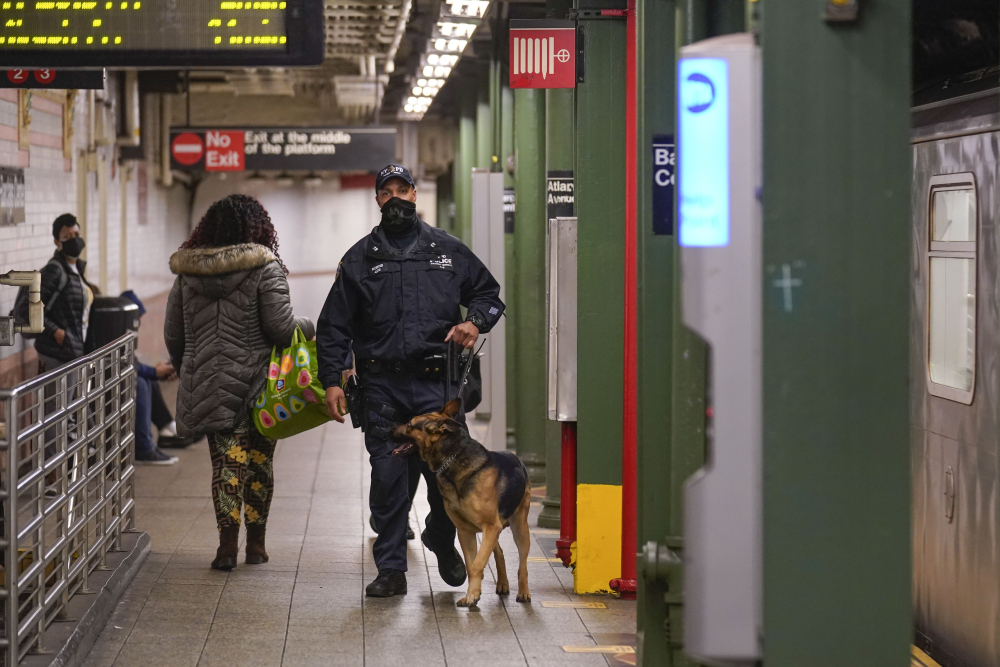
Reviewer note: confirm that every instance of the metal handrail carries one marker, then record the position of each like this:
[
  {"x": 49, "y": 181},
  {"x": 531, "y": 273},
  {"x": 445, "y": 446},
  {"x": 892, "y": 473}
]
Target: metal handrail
[{"x": 67, "y": 452}]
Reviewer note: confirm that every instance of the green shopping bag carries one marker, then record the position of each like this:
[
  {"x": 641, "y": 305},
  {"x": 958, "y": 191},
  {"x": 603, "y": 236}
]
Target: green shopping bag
[{"x": 293, "y": 398}]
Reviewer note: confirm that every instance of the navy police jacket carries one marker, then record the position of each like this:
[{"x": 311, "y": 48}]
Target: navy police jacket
[{"x": 398, "y": 305}]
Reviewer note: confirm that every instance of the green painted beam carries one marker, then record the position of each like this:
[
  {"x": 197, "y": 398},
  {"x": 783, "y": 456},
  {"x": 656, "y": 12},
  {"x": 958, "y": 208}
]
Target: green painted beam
[
  {"x": 600, "y": 206},
  {"x": 510, "y": 287},
  {"x": 559, "y": 139},
  {"x": 529, "y": 242},
  {"x": 446, "y": 201},
  {"x": 456, "y": 167},
  {"x": 465, "y": 160},
  {"x": 836, "y": 198},
  {"x": 484, "y": 122},
  {"x": 657, "y": 490},
  {"x": 663, "y": 470}
]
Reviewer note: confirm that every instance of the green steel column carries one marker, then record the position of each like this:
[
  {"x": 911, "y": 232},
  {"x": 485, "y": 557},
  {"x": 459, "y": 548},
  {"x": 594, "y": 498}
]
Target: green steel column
[
  {"x": 484, "y": 123},
  {"x": 659, "y": 491},
  {"x": 600, "y": 200},
  {"x": 446, "y": 201},
  {"x": 496, "y": 114},
  {"x": 666, "y": 347},
  {"x": 725, "y": 16},
  {"x": 836, "y": 198},
  {"x": 558, "y": 157},
  {"x": 600, "y": 208},
  {"x": 510, "y": 288},
  {"x": 456, "y": 169},
  {"x": 529, "y": 241},
  {"x": 465, "y": 160}
]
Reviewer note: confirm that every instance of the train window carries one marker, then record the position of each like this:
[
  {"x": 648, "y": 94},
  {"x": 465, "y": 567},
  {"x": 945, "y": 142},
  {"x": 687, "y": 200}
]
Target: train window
[
  {"x": 951, "y": 295},
  {"x": 954, "y": 215}
]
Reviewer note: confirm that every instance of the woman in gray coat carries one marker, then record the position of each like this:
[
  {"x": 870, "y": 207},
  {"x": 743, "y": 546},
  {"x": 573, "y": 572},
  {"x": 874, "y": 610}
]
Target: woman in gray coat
[{"x": 229, "y": 306}]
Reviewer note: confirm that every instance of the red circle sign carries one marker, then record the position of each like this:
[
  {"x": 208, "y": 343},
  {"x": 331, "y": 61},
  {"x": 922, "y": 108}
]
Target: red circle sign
[
  {"x": 45, "y": 76},
  {"x": 17, "y": 75},
  {"x": 187, "y": 148}
]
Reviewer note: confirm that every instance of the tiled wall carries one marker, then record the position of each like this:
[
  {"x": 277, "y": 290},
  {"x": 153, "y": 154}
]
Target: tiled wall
[{"x": 52, "y": 188}]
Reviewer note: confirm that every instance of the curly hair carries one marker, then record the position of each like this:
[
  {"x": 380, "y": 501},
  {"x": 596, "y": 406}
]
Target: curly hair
[{"x": 233, "y": 220}]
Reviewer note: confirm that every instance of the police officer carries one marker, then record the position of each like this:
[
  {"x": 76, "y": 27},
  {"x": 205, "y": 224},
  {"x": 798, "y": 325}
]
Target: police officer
[{"x": 395, "y": 305}]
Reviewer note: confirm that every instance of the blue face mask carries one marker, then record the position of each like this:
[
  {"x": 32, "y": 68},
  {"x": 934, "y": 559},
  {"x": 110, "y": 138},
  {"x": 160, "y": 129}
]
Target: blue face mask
[{"x": 399, "y": 216}]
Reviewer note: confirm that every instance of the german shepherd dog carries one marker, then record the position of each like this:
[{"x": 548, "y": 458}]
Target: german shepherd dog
[{"x": 484, "y": 492}]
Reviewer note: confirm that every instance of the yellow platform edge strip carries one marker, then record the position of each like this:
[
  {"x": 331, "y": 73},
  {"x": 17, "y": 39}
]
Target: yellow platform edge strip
[
  {"x": 921, "y": 659},
  {"x": 598, "y": 537},
  {"x": 599, "y": 649},
  {"x": 562, "y": 604}
]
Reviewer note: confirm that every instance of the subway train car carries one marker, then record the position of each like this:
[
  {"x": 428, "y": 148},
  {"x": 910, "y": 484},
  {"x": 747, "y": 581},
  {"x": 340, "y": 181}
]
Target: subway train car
[{"x": 955, "y": 370}]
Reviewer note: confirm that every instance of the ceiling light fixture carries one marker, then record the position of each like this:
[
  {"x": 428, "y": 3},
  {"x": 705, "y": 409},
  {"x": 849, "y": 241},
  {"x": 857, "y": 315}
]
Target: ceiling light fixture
[{"x": 458, "y": 22}]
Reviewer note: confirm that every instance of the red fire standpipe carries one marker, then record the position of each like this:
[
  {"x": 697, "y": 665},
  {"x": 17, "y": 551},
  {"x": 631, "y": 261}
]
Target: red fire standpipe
[
  {"x": 567, "y": 504},
  {"x": 626, "y": 585}
]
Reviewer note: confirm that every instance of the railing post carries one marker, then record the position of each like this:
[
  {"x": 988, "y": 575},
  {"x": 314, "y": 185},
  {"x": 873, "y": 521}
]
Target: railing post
[{"x": 10, "y": 532}]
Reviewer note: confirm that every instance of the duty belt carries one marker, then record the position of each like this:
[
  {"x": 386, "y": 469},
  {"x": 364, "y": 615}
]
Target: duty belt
[{"x": 432, "y": 367}]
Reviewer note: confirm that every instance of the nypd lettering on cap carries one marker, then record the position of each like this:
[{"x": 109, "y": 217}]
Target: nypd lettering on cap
[{"x": 393, "y": 171}]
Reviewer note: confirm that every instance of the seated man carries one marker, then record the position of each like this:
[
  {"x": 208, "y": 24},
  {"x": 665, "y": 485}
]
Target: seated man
[{"x": 146, "y": 451}]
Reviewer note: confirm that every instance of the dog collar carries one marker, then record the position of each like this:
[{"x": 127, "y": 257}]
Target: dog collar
[{"x": 447, "y": 463}]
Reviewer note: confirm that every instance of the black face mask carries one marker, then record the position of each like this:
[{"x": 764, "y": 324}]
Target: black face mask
[
  {"x": 399, "y": 216},
  {"x": 73, "y": 247}
]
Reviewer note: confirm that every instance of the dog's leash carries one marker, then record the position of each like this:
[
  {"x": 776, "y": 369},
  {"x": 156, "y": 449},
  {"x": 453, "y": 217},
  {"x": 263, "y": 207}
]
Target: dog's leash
[{"x": 465, "y": 371}]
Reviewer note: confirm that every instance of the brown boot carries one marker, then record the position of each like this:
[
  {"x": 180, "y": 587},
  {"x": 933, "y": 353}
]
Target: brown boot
[
  {"x": 255, "y": 545},
  {"x": 229, "y": 547}
]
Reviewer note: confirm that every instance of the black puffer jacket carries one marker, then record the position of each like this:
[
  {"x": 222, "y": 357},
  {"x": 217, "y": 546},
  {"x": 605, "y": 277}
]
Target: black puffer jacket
[
  {"x": 66, "y": 312},
  {"x": 229, "y": 306}
]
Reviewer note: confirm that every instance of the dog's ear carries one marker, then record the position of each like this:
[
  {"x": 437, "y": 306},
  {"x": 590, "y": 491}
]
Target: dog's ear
[
  {"x": 452, "y": 408},
  {"x": 442, "y": 426},
  {"x": 450, "y": 426}
]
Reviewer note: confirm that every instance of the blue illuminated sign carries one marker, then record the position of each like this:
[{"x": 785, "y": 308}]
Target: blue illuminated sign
[{"x": 703, "y": 151}]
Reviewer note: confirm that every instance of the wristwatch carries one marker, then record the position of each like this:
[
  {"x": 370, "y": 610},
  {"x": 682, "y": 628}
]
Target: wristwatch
[{"x": 476, "y": 320}]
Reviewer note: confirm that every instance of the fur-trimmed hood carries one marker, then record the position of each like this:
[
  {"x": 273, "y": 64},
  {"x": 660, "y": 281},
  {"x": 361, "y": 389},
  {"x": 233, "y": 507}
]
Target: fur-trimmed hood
[{"x": 219, "y": 261}]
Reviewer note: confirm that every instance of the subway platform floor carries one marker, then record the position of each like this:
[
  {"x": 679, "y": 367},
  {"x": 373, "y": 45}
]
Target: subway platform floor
[{"x": 307, "y": 605}]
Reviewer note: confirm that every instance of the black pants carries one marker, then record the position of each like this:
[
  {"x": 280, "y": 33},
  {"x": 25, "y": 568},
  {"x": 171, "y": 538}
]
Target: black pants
[
  {"x": 161, "y": 413},
  {"x": 393, "y": 478}
]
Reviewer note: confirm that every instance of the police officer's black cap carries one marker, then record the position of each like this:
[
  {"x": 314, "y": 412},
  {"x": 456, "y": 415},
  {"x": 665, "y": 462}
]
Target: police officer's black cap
[{"x": 393, "y": 171}]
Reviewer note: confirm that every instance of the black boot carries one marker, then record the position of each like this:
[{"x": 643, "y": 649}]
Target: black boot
[
  {"x": 388, "y": 583},
  {"x": 450, "y": 563},
  {"x": 256, "y": 554},
  {"x": 225, "y": 557}
]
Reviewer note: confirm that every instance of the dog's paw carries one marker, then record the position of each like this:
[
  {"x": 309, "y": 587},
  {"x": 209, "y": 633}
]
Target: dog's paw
[
  {"x": 503, "y": 588},
  {"x": 468, "y": 601},
  {"x": 524, "y": 597}
]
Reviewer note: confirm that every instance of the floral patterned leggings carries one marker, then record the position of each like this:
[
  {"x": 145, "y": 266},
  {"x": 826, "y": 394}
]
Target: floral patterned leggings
[{"x": 242, "y": 472}]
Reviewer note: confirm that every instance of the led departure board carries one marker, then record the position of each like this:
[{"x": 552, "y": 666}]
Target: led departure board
[{"x": 160, "y": 33}]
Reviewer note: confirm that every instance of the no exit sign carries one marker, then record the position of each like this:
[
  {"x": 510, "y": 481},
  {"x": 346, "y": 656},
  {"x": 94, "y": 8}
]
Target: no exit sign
[
  {"x": 209, "y": 150},
  {"x": 542, "y": 54}
]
